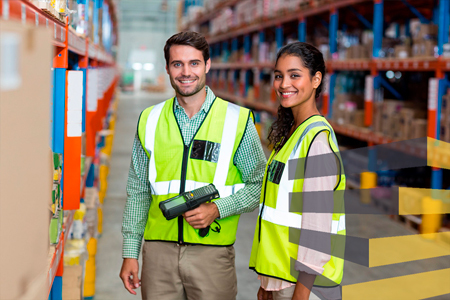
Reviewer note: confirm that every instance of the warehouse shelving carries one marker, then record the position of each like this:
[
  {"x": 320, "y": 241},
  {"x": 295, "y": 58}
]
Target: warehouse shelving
[
  {"x": 232, "y": 80},
  {"x": 84, "y": 114}
]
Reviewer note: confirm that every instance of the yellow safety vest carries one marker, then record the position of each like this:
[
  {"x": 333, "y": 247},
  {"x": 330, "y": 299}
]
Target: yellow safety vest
[
  {"x": 273, "y": 254},
  {"x": 175, "y": 168}
]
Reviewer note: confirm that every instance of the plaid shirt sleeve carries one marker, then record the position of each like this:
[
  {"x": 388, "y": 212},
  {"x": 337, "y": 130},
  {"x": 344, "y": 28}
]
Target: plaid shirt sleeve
[
  {"x": 251, "y": 161},
  {"x": 138, "y": 202}
]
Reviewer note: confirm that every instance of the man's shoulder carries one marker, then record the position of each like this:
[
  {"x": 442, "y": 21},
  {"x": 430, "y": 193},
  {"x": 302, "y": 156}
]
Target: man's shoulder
[{"x": 232, "y": 104}]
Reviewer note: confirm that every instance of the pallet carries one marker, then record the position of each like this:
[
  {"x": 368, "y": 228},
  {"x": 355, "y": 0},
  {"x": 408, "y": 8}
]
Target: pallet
[{"x": 409, "y": 221}]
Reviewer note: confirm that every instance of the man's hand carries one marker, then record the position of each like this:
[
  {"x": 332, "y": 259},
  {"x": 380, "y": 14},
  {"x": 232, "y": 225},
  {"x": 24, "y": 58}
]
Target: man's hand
[
  {"x": 264, "y": 295},
  {"x": 202, "y": 216},
  {"x": 129, "y": 274}
]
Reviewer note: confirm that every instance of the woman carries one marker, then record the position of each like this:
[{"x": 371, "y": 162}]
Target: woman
[{"x": 300, "y": 232}]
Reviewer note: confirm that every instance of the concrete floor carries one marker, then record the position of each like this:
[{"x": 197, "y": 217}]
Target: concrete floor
[{"x": 108, "y": 284}]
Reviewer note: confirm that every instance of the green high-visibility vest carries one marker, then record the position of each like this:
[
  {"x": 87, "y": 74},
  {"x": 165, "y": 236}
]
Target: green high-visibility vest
[
  {"x": 175, "y": 168},
  {"x": 273, "y": 253}
]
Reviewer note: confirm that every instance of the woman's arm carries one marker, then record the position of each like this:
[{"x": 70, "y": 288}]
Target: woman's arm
[{"x": 316, "y": 227}]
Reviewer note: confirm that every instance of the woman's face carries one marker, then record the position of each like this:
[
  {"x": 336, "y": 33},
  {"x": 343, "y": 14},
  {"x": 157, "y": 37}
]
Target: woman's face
[{"x": 293, "y": 83}]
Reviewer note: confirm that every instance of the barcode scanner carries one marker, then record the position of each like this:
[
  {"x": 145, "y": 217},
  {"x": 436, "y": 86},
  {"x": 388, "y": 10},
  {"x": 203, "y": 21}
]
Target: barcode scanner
[{"x": 178, "y": 205}]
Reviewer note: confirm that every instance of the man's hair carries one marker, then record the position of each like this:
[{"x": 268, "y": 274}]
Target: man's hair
[{"x": 187, "y": 38}]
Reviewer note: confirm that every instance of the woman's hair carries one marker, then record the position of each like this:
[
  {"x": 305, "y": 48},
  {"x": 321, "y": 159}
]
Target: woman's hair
[{"x": 312, "y": 59}]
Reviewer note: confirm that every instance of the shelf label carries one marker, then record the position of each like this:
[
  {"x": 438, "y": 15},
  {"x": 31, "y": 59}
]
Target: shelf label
[
  {"x": 24, "y": 14},
  {"x": 433, "y": 87},
  {"x": 368, "y": 94},
  {"x": 10, "y": 78},
  {"x": 92, "y": 90},
  {"x": 5, "y": 9},
  {"x": 74, "y": 103}
]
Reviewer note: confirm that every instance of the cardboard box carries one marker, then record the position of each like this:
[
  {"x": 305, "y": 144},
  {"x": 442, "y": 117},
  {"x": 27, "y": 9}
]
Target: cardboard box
[
  {"x": 390, "y": 108},
  {"x": 357, "y": 118},
  {"x": 26, "y": 173},
  {"x": 419, "y": 128},
  {"x": 72, "y": 282},
  {"x": 407, "y": 115},
  {"x": 402, "y": 51},
  {"x": 445, "y": 130},
  {"x": 427, "y": 30},
  {"x": 377, "y": 116},
  {"x": 445, "y": 108},
  {"x": 428, "y": 49}
]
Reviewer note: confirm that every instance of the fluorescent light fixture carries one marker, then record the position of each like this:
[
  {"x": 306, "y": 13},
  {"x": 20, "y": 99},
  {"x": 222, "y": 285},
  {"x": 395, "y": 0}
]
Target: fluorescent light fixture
[
  {"x": 390, "y": 74},
  {"x": 149, "y": 67},
  {"x": 137, "y": 66}
]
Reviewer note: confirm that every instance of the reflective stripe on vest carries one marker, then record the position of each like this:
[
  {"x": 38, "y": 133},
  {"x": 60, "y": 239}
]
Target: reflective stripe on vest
[
  {"x": 173, "y": 187},
  {"x": 288, "y": 219}
]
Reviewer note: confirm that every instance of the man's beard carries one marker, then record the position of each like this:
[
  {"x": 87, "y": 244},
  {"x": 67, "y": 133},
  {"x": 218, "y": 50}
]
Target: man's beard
[{"x": 200, "y": 85}]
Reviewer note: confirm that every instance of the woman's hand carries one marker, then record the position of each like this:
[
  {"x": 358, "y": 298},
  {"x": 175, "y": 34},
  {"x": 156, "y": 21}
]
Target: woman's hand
[{"x": 264, "y": 295}]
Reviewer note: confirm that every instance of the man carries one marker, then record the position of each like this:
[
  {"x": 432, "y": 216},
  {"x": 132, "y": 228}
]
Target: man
[{"x": 181, "y": 144}]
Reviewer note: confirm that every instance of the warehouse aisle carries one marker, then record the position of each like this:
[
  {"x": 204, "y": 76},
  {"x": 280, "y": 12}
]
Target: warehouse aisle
[{"x": 109, "y": 259}]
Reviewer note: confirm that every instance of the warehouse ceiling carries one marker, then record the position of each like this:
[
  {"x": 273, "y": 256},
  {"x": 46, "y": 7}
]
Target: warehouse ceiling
[{"x": 154, "y": 15}]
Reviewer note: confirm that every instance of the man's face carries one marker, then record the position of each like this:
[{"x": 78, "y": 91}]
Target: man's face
[{"x": 187, "y": 70}]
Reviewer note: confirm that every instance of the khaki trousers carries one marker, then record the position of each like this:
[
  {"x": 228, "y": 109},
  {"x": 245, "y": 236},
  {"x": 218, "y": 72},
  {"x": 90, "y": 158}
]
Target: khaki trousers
[{"x": 188, "y": 272}]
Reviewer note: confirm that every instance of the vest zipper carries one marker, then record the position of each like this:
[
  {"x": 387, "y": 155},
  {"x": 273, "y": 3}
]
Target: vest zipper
[
  {"x": 262, "y": 210},
  {"x": 182, "y": 189}
]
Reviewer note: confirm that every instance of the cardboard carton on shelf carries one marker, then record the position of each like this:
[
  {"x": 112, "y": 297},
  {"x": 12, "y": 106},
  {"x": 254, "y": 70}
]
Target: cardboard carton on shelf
[
  {"x": 389, "y": 109},
  {"x": 72, "y": 282},
  {"x": 339, "y": 115},
  {"x": 25, "y": 175},
  {"x": 419, "y": 128},
  {"x": 445, "y": 108},
  {"x": 377, "y": 116},
  {"x": 355, "y": 117},
  {"x": 445, "y": 130},
  {"x": 428, "y": 30},
  {"x": 424, "y": 48},
  {"x": 402, "y": 51},
  {"x": 359, "y": 118},
  {"x": 251, "y": 94},
  {"x": 407, "y": 115}
]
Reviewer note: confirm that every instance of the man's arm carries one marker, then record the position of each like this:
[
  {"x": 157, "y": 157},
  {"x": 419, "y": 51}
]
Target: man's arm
[
  {"x": 135, "y": 215},
  {"x": 251, "y": 162},
  {"x": 138, "y": 202}
]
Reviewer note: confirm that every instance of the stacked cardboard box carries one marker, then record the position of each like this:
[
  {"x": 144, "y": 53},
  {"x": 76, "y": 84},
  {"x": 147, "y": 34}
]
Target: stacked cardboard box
[
  {"x": 419, "y": 128},
  {"x": 424, "y": 40},
  {"x": 347, "y": 109},
  {"x": 402, "y": 51},
  {"x": 377, "y": 116},
  {"x": 72, "y": 282},
  {"x": 390, "y": 121},
  {"x": 265, "y": 92},
  {"x": 25, "y": 158},
  {"x": 396, "y": 119},
  {"x": 445, "y": 118},
  {"x": 358, "y": 52},
  {"x": 409, "y": 127}
]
